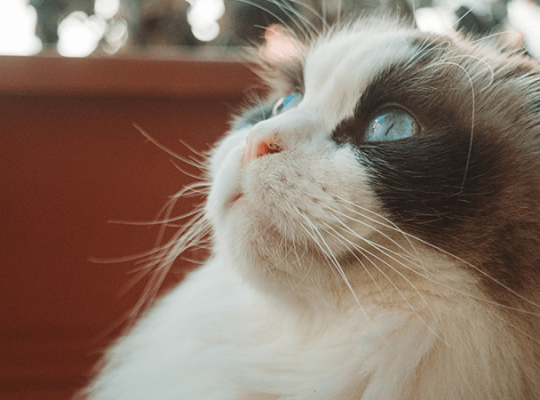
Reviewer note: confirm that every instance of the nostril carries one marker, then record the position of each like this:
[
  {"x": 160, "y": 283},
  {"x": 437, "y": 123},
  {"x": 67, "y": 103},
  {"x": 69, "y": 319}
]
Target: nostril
[
  {"x": 261, "y": 146},
  {"x": 273, "y": 148}
]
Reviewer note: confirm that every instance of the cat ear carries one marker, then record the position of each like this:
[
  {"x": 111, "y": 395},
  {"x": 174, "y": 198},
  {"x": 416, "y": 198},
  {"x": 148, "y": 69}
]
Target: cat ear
[
  {"x": 280, "y": 45},
  {"x": 279, "y": 62}
]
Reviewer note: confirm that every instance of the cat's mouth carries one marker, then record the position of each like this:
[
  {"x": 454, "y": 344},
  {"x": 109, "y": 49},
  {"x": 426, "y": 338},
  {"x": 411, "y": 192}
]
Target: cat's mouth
[{"x": 234, "y": 198}]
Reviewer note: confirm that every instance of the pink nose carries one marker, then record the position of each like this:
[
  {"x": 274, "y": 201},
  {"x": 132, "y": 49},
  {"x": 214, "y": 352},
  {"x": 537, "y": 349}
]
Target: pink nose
[{"x": 260, "y": 146}]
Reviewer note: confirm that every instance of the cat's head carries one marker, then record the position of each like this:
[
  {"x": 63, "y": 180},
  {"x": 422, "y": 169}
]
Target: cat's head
[{"x": 383, "y": 151}]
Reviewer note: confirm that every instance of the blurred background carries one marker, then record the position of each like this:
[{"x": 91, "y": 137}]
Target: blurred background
[
  {"x": 79, "y": 80},
  {"x": 80, "y": 28}
]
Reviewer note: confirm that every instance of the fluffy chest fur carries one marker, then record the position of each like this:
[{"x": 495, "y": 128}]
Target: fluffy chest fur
[{"x": 375, "y": 235}]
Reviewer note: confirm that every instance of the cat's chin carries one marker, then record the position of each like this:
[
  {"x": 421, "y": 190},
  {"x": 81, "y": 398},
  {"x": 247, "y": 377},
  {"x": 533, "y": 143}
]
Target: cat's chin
[
  {"x": 283, "y": 266},
  {"x": 257, "y": 228}
]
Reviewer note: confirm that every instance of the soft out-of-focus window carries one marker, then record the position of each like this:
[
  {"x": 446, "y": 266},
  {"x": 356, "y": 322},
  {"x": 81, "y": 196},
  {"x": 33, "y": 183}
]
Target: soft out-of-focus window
[
  {"x": 80, "y": 28},
  {"x": 17, "y": 28}
]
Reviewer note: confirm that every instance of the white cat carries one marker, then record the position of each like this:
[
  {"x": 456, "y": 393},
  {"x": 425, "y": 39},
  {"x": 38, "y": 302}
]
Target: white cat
[{"x": 375, "y": 226}]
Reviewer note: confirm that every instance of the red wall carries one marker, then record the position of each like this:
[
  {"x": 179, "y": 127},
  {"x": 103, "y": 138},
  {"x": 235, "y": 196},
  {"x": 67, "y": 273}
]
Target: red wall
[{"x": 70, "y": 161}]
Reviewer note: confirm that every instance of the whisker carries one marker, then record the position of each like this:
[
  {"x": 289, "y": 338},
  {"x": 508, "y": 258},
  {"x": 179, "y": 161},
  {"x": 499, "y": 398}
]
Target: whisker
[
  {"x": 486, "y": 275},
  {"x": 408, "y": 256},
  {"x": 184, "y": 171},
  {"x": 342, "y": 240},
  {"x": 123, "y": 259},
  {"x": 163, "y": 147},
  {"x": 480, "y": 60},
  {"x": 298, "y": 260},
  {"x": 391, "y": 282},
  {"x": 413, "y": 237},
  {"x": 455, "y": 24},
  {"x": 331, "y": 259},
  {"x": 506, "y": 321},
  {"x": 163, "y": 263},
  {"x": 168, "y": 208},
  {"x": 393, "y": 226},
  {"x": 156, "y": 222},
  {"x": 424, "y": 50},
  {"x": 369, "y": 226},
  {"x": 472, "y": 117},
  {"x": 202, "y": 156}
]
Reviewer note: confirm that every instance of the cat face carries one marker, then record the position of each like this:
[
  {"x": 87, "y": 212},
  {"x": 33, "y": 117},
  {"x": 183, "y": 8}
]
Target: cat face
[{"x": 379, "y": 143}]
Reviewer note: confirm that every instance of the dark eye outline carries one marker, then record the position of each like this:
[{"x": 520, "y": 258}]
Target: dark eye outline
[
  {"x": 285, "y": 101},
  {"x": 387, "y": 107}
]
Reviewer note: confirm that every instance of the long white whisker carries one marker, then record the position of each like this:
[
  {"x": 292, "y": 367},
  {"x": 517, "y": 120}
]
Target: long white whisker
[
  {"x": 185, "y": 172},
  {"x": 413, "y": 237},
  {"x": 423, "y": 50},
  {"x": 342, "y": 240},
  {"x": 202, "y": 156},
  {"x": 417, "y": 261},
  {"x": 369, "y": 226},
  {"x": 472, "y": 117},
  {"x": 168, "y": 208},
  {"x": 298, "y": 260},
  {"x": 165, "y": 148},
  {"x": 392, "y": 225},
  {"x": 393, "y": 284},
  {"x": 504, "y": 320},
  {"x": 332, "y": 259},
  {"x": 157, "y": 222},
  {"x": 180, "y": 242},
  {"x": 486, "y": 275},
  {"x": 455, "y": 24},
  {"x": 480, "y": 60}
]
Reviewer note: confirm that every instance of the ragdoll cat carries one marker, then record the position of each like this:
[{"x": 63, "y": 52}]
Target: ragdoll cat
[{"x": 375, "y": 224}]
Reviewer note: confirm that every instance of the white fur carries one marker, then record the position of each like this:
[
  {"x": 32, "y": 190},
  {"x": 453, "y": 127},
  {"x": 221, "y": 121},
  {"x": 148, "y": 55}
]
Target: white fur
[{"x": 271, "y": 317}]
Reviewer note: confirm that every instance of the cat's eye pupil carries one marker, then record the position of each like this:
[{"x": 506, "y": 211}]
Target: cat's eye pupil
[
  {"x": 285, "y": 103},
  {"x": 391, "y": 124}
]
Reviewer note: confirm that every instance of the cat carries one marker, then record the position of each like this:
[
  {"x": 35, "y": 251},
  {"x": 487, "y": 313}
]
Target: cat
[{"x": 375, "y": 228}]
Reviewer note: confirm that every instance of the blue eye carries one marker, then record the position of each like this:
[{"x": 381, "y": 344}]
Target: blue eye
[
  {"x": 286, "y": 103},
  {"x": 391, "y": 124}
]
